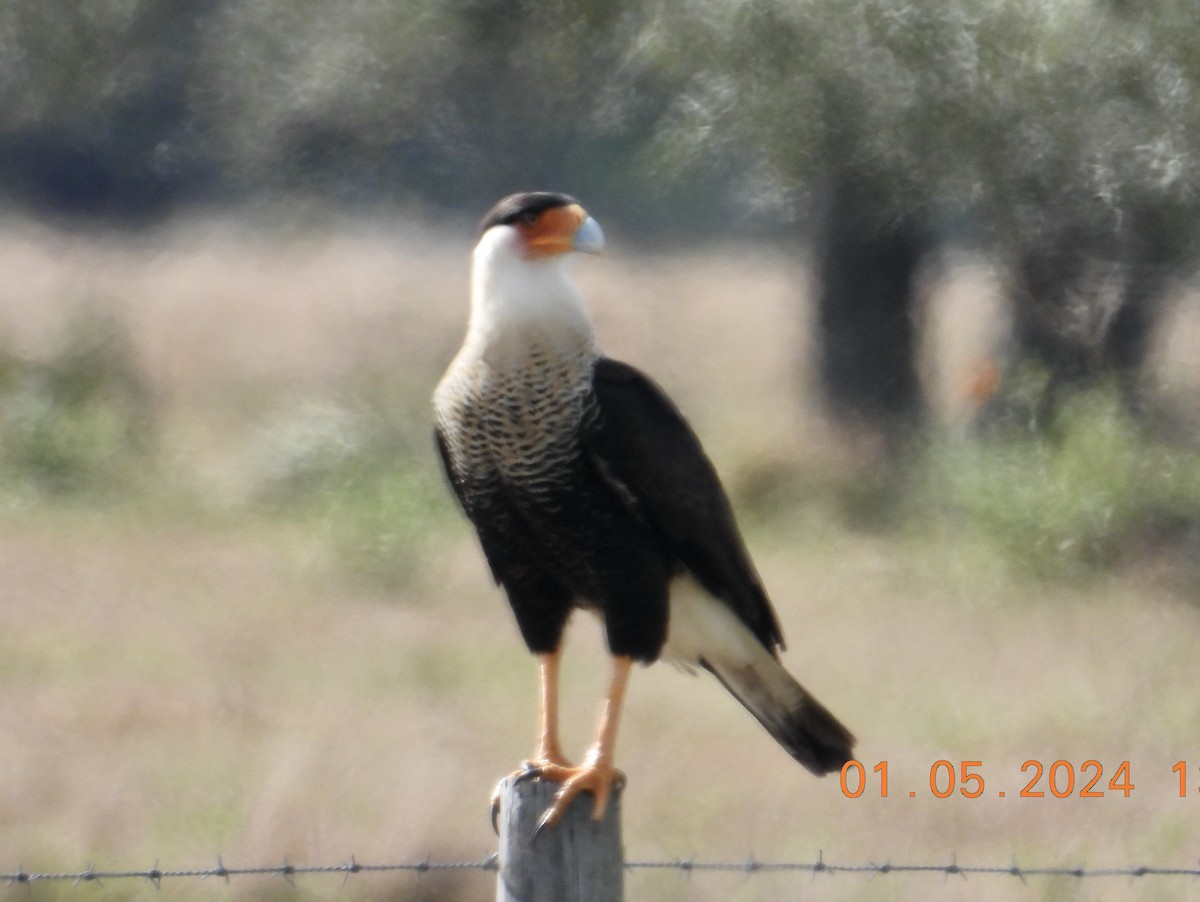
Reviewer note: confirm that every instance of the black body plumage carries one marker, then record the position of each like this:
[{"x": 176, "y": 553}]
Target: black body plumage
[
  {"x": 614, "y": 500},
  {"x": 555, "y": 533}
]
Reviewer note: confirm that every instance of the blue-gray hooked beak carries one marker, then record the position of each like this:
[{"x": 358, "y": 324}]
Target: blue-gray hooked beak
[{"x": 589, "y": 238}]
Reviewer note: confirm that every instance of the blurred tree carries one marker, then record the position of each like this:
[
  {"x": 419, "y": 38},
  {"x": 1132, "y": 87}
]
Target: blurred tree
[
  {"x": 1092, "y": 194},
  {"x": 94, "y": 113},
  {"x": 1063, "y": 132},
  {"x": 861, "y": 114},
  {"x": 442, "y": 101}
]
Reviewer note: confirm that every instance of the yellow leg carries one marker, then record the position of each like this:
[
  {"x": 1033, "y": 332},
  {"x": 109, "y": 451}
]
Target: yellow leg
[
  {"x": 597, "y": 774},
  {"x": 548, "y": 759},
  {"x": 548, "y": 750}
]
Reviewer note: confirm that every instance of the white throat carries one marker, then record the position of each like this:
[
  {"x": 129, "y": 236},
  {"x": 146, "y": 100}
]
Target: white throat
[{"x": 518, "y": 303}]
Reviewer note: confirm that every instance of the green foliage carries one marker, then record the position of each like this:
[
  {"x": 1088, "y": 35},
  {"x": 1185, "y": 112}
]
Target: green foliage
[
  {"x": 78, "y": 424},
  {"x": 364, "y": 478},
  {"x": 361, "y": 480},
  {"x": 441, "y": 101},
  {"x": 53, "y": 56},
  {"x": 1001, "y": 108},
  {"x": 384, "y": 523},
  {"x": 1093, "y": 492},
  {"x": 964, "y": 103}
]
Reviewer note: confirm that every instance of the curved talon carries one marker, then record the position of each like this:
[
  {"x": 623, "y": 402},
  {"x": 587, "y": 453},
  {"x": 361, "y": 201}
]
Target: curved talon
[
  {"x": 596, "y": 777},
  {"x": 554, "y": 769},
  {"x": 529, "y": 771},
  {"x": 496, "y": 808},
  {"x": 552, "y": 773}
]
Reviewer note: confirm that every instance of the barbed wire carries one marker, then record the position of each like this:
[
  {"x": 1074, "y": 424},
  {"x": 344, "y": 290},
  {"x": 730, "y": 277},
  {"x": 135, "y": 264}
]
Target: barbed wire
[
  {"x": 821, "y": 866},
  {"x": 289, "y": 872}
]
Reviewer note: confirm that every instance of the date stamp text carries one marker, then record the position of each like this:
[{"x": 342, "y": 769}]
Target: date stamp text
[{"x": 1060, "y": 779}]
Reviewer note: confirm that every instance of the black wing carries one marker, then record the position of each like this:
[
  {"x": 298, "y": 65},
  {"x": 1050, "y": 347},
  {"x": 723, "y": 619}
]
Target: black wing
[{"x": 645, "y": 449}]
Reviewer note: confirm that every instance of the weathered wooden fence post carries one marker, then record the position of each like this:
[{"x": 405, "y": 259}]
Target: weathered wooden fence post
[{"x": 578, "y": 860}]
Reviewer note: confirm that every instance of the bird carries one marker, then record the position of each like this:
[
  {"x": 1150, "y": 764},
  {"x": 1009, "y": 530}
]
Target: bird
[{"x": 588, "y": 489}]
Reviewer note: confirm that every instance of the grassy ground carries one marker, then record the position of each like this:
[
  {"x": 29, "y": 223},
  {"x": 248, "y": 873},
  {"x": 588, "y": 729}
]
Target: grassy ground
[{"x": 268, "y": 644}]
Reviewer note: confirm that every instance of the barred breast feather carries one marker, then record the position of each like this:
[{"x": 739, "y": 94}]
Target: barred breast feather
[{"x": 518, "y": 424}]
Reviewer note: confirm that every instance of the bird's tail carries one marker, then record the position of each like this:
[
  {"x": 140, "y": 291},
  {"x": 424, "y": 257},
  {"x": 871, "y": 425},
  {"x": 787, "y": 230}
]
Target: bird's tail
[{"x": 799, "y": 722}]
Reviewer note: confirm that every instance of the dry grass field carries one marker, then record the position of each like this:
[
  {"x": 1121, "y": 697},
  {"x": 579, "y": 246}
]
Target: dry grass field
[{"x": 187, "y": 673}]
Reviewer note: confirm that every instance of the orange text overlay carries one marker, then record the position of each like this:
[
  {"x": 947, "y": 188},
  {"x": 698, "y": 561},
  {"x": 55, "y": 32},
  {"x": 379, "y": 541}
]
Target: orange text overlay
[{"x": 1036, "y": 779}]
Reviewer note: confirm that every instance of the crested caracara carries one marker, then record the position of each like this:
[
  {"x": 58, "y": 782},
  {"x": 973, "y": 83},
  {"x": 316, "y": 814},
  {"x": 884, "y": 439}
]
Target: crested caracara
[{"x": 588, "y": 489}]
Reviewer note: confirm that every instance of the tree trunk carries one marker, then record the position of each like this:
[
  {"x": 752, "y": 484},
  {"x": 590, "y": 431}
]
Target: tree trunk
[{"x": 867, "y": 269}]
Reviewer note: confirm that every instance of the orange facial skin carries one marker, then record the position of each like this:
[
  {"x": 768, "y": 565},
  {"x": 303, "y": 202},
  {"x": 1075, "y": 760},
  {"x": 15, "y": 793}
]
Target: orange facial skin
[{"x": 553, "y": 231}]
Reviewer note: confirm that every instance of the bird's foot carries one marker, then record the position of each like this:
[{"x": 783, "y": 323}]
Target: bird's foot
[
  {"x": 595, "y": 775},
  {"x": 544, "y": 765}
]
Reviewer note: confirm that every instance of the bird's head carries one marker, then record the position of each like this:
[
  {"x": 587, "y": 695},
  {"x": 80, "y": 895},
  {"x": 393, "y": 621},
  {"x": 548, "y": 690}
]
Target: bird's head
[
  {"x": 540, "y": 225},
  {"x": 520, "y": 275}
]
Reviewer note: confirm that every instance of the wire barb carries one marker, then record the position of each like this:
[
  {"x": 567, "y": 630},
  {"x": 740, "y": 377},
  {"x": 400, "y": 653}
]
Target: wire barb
[{"x": 351, "y": 867}]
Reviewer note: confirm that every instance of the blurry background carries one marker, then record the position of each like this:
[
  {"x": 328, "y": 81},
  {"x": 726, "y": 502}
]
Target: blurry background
[{"x": 923, "y": 279}]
